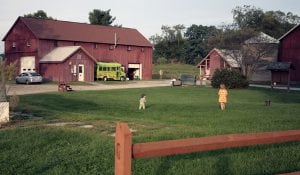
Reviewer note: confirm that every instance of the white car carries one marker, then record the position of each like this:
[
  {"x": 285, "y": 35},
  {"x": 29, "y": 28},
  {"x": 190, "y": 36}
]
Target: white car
[{"x": 29, "y": 77}]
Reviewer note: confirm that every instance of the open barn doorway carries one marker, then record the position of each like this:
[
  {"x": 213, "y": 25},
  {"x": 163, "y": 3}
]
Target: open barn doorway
[{"x": 134, "y": 71}]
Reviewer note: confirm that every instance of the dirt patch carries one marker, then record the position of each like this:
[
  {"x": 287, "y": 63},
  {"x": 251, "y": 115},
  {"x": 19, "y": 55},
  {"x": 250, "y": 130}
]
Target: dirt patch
[
  {"x": 86, "y": 126},
  {"x": 74, "y": 124},
  {"x": 20, "y": 89}
]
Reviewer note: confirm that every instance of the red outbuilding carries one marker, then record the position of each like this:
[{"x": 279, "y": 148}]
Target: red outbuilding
[
  {"x": 216, "y": 59},
  {"x": 67, "y": 51},
  {"x": 289, "y": 51}
]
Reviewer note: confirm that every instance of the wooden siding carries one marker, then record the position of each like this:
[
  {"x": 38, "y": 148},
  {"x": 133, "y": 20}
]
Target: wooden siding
[
  {"x": 62, "y": 71},
  {"x": 20, "y": 35},
  {"x": 289, "y": 51},
  {"x": 216, "y": 62},
  {"x": 280, "y": 77},
  {"x": 103, "y": 52}
]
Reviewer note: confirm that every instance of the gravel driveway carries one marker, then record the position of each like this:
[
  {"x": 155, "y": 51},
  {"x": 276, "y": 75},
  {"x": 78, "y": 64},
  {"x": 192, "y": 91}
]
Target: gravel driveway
[{"x": 20, "y": 89}]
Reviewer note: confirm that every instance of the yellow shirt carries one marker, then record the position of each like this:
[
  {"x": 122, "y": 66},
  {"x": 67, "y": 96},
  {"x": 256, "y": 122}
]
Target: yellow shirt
[{"x": 223, "y": 95}]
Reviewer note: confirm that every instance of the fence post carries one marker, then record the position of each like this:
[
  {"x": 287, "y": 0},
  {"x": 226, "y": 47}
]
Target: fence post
[{"x": 123, "y": 150}]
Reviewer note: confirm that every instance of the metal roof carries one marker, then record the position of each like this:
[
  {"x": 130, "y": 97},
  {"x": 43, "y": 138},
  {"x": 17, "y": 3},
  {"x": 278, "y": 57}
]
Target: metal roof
[
  {"x": 73, "y": 31},
  {"x": 60, "y": 54},
  {"x": 108, "y": 64},
  {"x": 227, "y": 55},
  {"x": 262, "y": 38},
  {"x": 230, "y": 56},
  {"x": 280, "y": 66}
]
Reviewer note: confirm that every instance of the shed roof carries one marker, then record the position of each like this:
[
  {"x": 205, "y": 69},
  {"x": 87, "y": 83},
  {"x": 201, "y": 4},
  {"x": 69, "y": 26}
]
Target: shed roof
[
  {"x": 60, "y": 54},
  {"x": 73, "y": 31},
  {"x": 262, "y": 38},
  {"x": 280, "y": 66},
  {"x": 227, "y": 55},
  {"x": 230, "y": 57}
]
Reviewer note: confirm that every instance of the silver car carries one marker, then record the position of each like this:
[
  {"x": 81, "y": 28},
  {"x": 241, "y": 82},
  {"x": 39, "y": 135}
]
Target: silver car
[{"x": 29, "y": 77}]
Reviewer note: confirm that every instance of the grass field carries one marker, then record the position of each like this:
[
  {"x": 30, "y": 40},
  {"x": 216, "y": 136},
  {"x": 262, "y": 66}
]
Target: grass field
[
  {"x": 53, "y": 140},
  {"x": 173, "y": 70}
]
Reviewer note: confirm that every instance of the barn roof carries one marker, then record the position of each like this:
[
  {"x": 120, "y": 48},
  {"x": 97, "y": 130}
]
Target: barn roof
[
  {"x": 229, "y": 56},
  {"x": 280, "y": 66},
  {"x": 287, "y": 33},
  {"x": 60, "y": 54},
  {"x": 226, "y": 55},
  {"x": 262, "y": 38},
  {"x": 73, "y": 31}
]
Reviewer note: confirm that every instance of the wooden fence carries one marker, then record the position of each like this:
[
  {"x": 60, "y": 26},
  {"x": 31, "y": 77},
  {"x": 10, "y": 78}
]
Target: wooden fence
[{"x": 125, "y": 151}]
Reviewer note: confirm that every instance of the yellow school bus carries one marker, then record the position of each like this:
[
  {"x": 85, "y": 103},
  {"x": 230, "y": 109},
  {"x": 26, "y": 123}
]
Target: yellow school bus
[{"x": 109, "y": 71}]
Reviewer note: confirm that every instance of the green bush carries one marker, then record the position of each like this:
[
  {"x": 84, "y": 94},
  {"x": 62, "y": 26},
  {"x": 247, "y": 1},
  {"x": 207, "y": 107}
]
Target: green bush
[
  {"x": 161, "y": 60},
  {"x": 231, "y": 78}
]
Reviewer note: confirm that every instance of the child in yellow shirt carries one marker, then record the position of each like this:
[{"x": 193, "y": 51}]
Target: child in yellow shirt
[{"x": 222, "y": 96}]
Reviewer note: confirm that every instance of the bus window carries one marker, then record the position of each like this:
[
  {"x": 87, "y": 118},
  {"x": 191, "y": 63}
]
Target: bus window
[
  {"x": 113, "y": 68},
  {"x": 104, "y": 68}
]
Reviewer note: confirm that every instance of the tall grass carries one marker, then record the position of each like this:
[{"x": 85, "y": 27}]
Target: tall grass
[{"x": 31, "y": 146}]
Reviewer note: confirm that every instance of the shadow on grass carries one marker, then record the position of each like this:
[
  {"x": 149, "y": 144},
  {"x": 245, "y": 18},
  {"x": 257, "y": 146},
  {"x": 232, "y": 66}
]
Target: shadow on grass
[
  {"x": 279, "y": 95},
  {"x": 224, "y": 164},
  {"x": 45, "y": 105}
]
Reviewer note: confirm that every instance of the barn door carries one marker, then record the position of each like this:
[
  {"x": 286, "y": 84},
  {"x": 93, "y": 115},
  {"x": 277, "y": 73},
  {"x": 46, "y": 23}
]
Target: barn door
[
  {"x": 135, "y": 71},
  {"x": 80, "y": 72},
  {"x": 27, "y": 64}
]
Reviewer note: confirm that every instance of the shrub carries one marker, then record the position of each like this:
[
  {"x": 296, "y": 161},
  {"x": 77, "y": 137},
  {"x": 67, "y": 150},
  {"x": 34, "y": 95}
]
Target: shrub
[
  {"x": 14, "y": 101},
  {"x": 161, "y": 60},
  {"x": 7, "y": 72},
  {"x": 231, "y": 78}
]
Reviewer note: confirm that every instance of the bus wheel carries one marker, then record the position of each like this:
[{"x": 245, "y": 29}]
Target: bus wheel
[
  {"x": 104, "y": 78},
  {"x": 122, "y": 78}
]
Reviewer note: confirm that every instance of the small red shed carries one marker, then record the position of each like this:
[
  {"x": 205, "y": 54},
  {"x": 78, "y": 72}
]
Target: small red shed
[
  {"x": 216, "y": 59},
  {"x": 280, "y": 74},
  {"x": 68, "y": 63}
]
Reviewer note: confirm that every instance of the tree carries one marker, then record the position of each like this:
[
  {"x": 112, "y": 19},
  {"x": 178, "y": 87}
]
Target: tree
[
  {"x": 6, "y": 72},
  {"x": 247, "y": 47},
  {"x": 100, "y": 17},
  {"x": 249, "y": 22},
  {"x": 197, "y": 42},
  {"x": 39, "y": 14},
  {"x": 170, "y": 44},
  {"x": 155, "y": 39},
  {"x": 273, "y": 23}
]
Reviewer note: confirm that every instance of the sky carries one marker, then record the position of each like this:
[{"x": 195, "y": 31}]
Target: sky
[{"x": 147, "y": 16}]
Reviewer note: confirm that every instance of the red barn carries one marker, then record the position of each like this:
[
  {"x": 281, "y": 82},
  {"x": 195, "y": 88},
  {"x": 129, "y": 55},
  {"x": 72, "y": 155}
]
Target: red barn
[
  {"x": 289, "y": 51},
  {"x": 216, "y": 59},
  {"x": 62, "y": 50}
]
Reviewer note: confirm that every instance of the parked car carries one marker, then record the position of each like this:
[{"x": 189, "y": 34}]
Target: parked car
[{"x": 29, "y": 77}]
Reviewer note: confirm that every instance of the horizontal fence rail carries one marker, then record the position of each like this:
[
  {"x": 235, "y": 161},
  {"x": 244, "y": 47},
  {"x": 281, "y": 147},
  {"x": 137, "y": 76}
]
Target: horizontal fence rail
[
  {"x": 125, "y": 150},
  {"x": 182, "y": 146}
]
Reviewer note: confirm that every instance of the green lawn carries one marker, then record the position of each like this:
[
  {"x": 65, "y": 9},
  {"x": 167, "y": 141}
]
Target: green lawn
[
  {"x": 173, "y": 70},
  {"x": 29, "y": 145}
]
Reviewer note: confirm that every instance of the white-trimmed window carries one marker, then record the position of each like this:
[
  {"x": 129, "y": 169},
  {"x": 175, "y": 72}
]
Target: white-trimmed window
[{"x": 14, "y": 44}]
